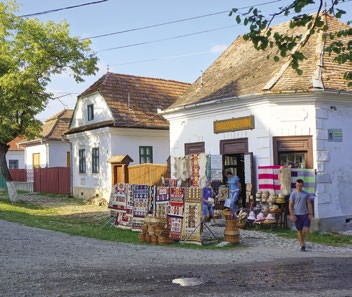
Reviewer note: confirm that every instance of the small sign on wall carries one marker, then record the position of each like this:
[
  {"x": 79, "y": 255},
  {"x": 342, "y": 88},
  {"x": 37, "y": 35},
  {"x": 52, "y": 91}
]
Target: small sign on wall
[{"x": 335, "y": 135}]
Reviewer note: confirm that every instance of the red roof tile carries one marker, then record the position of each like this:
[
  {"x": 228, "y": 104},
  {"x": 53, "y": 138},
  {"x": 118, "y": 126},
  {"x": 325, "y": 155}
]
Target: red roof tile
[{"x": 134, "y": 100}]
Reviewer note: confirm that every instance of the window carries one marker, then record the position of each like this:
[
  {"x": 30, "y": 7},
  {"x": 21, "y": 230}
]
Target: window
[
  {"x": 95, "y": 160},
  {"x": 13, "y": 164},
  {"x": 293, "y": 150},
  {"x": 82, "y": 160},
  {"x": 295, "y": 160},
  {"x": 90, "y": 112},
  {"x": 145, "y": 154}
]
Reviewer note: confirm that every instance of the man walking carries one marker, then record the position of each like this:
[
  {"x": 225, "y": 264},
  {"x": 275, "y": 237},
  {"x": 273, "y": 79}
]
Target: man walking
[{"x": 301, "y": 212}]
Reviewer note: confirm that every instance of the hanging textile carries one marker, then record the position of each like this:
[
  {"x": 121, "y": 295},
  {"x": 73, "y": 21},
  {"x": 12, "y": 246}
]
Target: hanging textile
[
  {"x": 192, "y": 215},
  {"x": 268, "y": 178},
  {"x": 175, "y": 212},
  {"x": 308, "y": 177}
]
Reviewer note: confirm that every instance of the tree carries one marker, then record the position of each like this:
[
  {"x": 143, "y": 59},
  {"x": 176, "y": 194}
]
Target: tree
[
  {"x": 30, "y": 53},
  {"x": 262, "y": 37}
]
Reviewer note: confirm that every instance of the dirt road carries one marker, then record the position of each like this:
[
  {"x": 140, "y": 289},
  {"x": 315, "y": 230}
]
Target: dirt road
[{"x": 37, "y": 262}]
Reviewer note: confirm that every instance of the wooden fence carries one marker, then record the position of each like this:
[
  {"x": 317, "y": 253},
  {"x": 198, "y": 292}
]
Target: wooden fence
[
  {"x": 54, "y": 180},
  {"x": 147, "y": 174}
]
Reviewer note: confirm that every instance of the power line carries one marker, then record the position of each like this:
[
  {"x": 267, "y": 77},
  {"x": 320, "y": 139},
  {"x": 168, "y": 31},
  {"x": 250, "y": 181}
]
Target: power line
[
  {"x": 163, "y": 39},
  {"x": 174, "y": 22},
  {"x": 59, "y": 9}
]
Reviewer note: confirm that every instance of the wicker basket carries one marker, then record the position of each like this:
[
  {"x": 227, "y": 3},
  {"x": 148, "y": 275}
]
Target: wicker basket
[
  {"x": 141, "y": 237},
  {"x": 165, "y": 240}
]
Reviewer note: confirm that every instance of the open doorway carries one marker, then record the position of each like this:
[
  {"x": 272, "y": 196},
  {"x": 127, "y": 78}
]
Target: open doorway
[{"x": 235, "y": 164}]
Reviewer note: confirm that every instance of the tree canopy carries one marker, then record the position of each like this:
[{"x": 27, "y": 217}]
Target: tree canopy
[
  {"x": 262, "y": 37},
  {"x": 30, "y": 53}
]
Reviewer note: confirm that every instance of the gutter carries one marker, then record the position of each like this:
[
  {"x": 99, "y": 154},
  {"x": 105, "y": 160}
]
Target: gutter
[{"x": 246, "y": 97}]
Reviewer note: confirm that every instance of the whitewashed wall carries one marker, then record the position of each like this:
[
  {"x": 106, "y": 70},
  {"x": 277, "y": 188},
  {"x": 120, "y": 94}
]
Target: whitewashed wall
[
  {"x": 58, "y": 153},
  {"x": 16, "y": 155},
  {"x": 101, "y": 111},
  {"x": 334, "y": 162},
  {"x": 42, "y": 149},
  {"x": 111, "y": 141},
  {"x": 270, "y": 120}
]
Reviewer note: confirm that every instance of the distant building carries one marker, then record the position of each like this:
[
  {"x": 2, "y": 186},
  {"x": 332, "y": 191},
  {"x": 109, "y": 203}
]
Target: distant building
[{"x": 52, "y": 148}]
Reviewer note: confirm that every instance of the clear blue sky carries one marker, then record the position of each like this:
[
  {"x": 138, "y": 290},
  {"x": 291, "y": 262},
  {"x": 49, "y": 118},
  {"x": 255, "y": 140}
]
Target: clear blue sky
[{"x": 164, "y": 51}]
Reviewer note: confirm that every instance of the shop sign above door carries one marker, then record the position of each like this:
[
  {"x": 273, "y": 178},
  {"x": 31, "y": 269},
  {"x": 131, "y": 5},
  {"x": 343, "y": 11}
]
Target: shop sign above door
[{"x": 235, "y": 124}]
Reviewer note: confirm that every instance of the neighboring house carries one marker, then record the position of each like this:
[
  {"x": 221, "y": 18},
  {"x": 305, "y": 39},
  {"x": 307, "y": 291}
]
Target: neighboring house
[
  {"x": 15, "y": 154},
  {"x": 117, "y": 119},
  {"x": 245, "y": 103},
  {"x": 52, "y": 148}
]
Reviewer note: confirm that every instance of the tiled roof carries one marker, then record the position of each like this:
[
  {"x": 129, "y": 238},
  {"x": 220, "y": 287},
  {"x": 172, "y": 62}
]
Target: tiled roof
[
  {"x": 241, "y": 70},
  {"x": 134, "y": 100},
  {"x": 54, "y": 127},
  {"x": 15, "y": 144}
]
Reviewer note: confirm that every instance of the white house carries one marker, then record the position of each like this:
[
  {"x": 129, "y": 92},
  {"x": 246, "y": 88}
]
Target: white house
[
  {"x": 51, "y": 149},
  {"x": 115, "y": 117},
  {"x": 246, "y": 104},
  {"x": 15, "y": 154}
]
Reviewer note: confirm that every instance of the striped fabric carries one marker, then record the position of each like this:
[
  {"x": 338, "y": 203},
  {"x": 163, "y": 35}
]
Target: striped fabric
[
  {"x": 268, "y": 179},
  {"x": 308, "y": 177}
]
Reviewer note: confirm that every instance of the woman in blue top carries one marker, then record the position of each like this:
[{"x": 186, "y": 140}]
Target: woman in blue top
[
  {"x": 207, "y": 205},
  {"x": 234, "y": 184}
]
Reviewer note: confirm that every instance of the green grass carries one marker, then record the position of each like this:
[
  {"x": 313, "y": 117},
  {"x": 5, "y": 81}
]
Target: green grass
[
  {"x": 75, "y": 217},
  {"x": 72, "y": 216}
]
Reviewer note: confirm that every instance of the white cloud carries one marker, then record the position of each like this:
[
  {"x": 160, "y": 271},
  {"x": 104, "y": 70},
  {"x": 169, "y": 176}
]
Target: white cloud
[{"x": 219, "y": 48}]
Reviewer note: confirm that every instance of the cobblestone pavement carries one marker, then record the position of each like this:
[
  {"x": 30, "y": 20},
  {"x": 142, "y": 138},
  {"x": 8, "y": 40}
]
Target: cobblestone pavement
[{"x": 255, "y": 238}]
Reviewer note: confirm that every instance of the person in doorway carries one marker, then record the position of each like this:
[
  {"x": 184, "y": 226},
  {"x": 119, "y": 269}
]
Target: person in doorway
[
  {"x": 301, "y": 212},
  {"x": 234, "y": 184},
  {"x": 207, "y": 205}
]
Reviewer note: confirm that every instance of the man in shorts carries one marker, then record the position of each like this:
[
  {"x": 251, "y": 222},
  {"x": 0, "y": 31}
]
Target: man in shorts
[{"x": 301, "y": 212}]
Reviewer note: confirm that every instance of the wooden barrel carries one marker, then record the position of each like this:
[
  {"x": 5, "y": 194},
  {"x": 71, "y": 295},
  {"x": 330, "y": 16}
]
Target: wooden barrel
[
  {"x": 232, "y": 236},
  {"x": 231, "y": 223}
]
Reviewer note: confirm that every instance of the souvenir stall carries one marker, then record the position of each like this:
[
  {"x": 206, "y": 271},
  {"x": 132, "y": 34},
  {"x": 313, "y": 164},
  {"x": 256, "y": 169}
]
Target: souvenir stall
[
  {"x": 172, "y": 211},
  {"x": 275, "y": 183}
]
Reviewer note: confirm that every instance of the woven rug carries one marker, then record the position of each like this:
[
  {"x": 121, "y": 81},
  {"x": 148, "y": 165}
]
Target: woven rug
[
  {"x": 174, "y": 224},
  {"x": 191, "y": 219},
  {"x": 193, "y": 195},
  {"x": 175, "y": 212},
  {"x": 162, "y": 201},
  {"x": 152, "y": 198},
  {"x": 195, "y": 171},
  {"x": 177, "y": 196},
  {"x": 140, "y": 201},
  {"x": 129, "y": 200},
  {"x": 123, "y": 220},
  {"x": 118, "y": 198}
]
